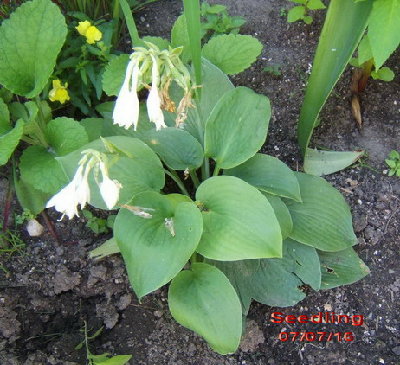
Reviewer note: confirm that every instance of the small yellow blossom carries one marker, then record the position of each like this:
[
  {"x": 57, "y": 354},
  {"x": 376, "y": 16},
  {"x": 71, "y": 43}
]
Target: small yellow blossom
[
  {"x": 93, "y": 35},
  {"x": 59, "y": 92},
  {"x": 89, "y": 31},
  {"x": 83, "y": 27}
]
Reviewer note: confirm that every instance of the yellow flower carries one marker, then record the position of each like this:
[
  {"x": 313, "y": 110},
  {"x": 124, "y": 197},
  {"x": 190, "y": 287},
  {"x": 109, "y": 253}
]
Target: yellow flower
[
  {"x": 93, "y": 35},
  {"x": 89, "y": 31},
  {"x": 59, "y": 92},
  {"x": 83, "y": 27}
]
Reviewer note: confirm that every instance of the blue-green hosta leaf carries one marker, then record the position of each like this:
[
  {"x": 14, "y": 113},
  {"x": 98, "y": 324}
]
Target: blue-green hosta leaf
[
  {"x": 274, "y": 282},
  {"x": 203, "y": 300},
  {"x": 384, "y": 29},
  {"x": 40, "y": 169},
  {"x": 155, "y": 249},
  {"x": 30, "y": 41},
  {"x": 66, "y": 135},
  {"x": 137, "y": 169},
  {"x": 9, "y": 141},
  {"x": 237, "y": 127},
  {"x": 215, "y": 85},
  {"x": 239, "y": 222},
  {"x": 232, "y": 53},
  {"x": 323, "y": 218},
  {"x": 268, "y": 174},
  {"x": 114, "y": 74},
  {"x": 177, "y": 148},
  {"x": 282, "y": 214},
  {"x": 341, "y": 268}
]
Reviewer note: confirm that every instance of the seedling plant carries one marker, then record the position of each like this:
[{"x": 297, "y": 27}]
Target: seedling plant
[
  {"x": 232, "y": 225},
  {"x": 393, "y": 161}
]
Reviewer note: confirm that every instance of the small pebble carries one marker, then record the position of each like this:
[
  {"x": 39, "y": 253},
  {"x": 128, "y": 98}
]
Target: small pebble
[{"x": 34, "y": 228}]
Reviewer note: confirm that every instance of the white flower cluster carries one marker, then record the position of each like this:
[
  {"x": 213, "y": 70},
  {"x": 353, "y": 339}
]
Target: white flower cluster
[
  {"x": 77, "y": 192},
  {"x": 158, "y": 68}
]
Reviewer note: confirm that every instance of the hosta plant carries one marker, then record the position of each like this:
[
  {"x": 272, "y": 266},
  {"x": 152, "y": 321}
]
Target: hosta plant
[{"x": 236, "y": 225}]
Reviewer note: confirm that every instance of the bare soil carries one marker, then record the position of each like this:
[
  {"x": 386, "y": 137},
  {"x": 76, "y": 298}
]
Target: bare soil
[{"x": 52, "y": 288}]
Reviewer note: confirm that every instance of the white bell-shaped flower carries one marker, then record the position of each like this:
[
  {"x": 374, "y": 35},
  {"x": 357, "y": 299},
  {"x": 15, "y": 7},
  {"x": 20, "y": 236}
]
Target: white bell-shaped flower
[
  {"x": 153, "y": 103},
  {"x": 109, "y": 189},
  {"x": 65, "y": 201},
  {"x": 126, "y": 109},
  {"x": 82, "y": 189}
]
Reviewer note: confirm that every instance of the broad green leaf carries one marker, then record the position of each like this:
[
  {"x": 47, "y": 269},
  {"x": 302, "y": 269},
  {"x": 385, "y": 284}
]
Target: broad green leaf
[
  {"x": 384, "y": 73},
  {"x": 239, "y": 222},
  {"x": 93, "y": 127},
  {"x": 180, "y": 37},
  {"x": 384, "y": 29},
  {"x": 232, "y": 53},
  {"x": 40, "y": 169},
  {"x": 274, "y": 282},
  {"x": 237, "y": 127},
  {"x": 215, "y": 85},
  {"x": 282, "y": 214},
  {"x": 203, "y": 300},
  {"x": 9, "y": 141},
  {"x": 268, "y": 174},
  {"x": 137, "y": 169},
  {"x": 30, "y": 41},
  {"x": 341, "y": 268},
  {"x": 30, "y": 198},
  {"x": 177, "y": 148},
  {"x": 155, "y": 249},
  {"x": 66, "y": 135},
  {"x": 320, "y": 163},
  {"x": 296, "y": 13},
  {"x": 343, "y": 28},
  {"x": 323, "y": 219},
  {"x": 114, "y": 74},
  {"x": 5, "y": 125}
]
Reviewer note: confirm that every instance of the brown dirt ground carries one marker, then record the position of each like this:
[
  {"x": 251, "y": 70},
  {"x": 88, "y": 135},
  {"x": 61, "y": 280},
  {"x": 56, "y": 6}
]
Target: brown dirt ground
[{"x": 53, "y": 287}]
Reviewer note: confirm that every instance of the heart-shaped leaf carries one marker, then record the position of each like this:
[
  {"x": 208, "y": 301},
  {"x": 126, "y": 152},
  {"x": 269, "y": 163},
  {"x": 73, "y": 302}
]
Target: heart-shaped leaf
[
  {"x": 239, "y": 222},
  {"x": 203, "y": 300},
  {"x": 156, "y": 248}
]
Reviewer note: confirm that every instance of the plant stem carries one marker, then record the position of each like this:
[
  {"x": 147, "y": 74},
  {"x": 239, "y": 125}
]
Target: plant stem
[
  {"x": 205, "y": 169},
  {"x": 116, "y": 22},
  {"x": 216, "y": 171},
  {"x": 41, "y": 124},
  {"x": 174, "y": 176},
  {"x": 194, "y": 177},
  {"x": 130, "y": 23}
]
